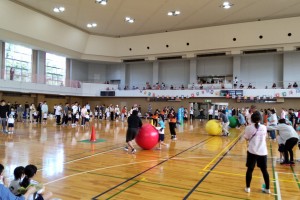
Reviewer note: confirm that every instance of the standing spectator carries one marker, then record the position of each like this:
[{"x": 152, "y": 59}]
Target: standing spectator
[
  {"x": 83, "y": 115},
  {"x": 292, "y": 118},
  {"x": 192, "y": 113},
  {"x": 3, "y": 115},
  {"x": 210, "y": 113},
  {"x": 26, "y": 106},
  {"x": 44, "y": 109},
  {"x": 74, "y": 112},
  {"x": 257, "y": 152},
  {"x": 12, "y": 73},
  {"x": 88, "y": 107},
  {"x": 58, "y": 114},
  {"x": 20, "y": 111},
  {"x": 31, "y": 111},
  {"x": 273, "y": 121},
  {"x": 117, "y": 112},
  {"x": 112, "y": 112},
  {"x": 39, "y": 110},
  {"x": 65, "y": 114}
]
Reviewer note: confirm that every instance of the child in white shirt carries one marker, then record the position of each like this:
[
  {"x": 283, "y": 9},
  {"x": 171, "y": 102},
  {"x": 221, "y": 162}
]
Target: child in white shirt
[{"x": 11, "y": 123}]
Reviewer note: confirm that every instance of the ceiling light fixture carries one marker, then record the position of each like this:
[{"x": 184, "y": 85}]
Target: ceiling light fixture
[
  {"x": 102, "y": 2},
  {"x": 59, "y": 9},
  {"x": 129, "y": 20},
  {"x": 226, "y": 5},
  {"x": 91, "y": 25},
  {"x": 174, "y": 13}
]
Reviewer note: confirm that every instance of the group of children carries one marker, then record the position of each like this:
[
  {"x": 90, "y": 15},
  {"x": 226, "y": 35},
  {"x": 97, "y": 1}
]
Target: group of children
[{"x": 21, "y": 184}]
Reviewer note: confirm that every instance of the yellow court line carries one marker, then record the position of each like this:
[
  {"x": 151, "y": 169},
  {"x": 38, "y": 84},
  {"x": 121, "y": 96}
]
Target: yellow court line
[
  {"x": 236, "y": 174},
  {"x": 222, "y": 152}
]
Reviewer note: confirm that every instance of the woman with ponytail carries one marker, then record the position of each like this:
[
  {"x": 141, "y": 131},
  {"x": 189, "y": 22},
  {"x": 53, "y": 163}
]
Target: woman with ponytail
[
  {"x": 30, "y": 171},
  {"x": 257, "y": 152}
]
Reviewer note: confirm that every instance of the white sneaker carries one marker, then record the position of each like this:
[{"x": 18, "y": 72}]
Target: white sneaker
[
  {"x": 125, "y": 148},
  {"x": 133, "y": 151},
  {"x": 267, "y": 191},
  {"x": 247, "y": 190},
  {"x": 167, "y": 146}
]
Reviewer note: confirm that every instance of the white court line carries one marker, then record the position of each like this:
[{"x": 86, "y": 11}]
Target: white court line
[
  {"x": 86, "y": 157},
  {"x": 109, "y": 167},
  {"x": 278, "y": 187},
  {"x": 102, "y": 168},
  {"x": 287, "y": 173}
]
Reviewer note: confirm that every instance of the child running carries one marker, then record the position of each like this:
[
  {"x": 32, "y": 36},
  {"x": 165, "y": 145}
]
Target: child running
[{"x": 161, "y": 131}]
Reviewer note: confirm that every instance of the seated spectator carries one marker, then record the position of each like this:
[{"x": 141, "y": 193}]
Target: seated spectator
[
  {"x": 241, "y": 86},
  {"x": 295, "y": 85},
  {"x": 182, "y": 87},
  {"x": 6, "y": 194},
  {"x": 163, "y": 85},
  {"x": 171, "y": 87},
  {"x": 201, "y": 86},
  {"x": 250, "y": 86},
  {"x": 274, "y": 86},
  {"x": 266, "y": 87},
  {"x": 193, "y": 86},
  {"x": 15, "y": 184},
  {"x": 289, "y": 86},
  {"x": 30, "y": 171}
]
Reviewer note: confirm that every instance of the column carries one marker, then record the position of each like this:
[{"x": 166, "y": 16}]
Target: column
[
  {"x": 193, "y": 71},
  {"x": 41, "y": 67},
  {"x": 68, "y": 74},
  {"x": 155, "y": 77},
  {"x": 236, "y": 67},
  {"x": 2, "y": 58}
]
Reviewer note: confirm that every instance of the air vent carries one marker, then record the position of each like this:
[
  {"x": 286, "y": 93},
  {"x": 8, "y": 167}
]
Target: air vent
[
  {"x": 260, "y": 51},
  {"x": 169, "y": 58},
  {"x": 134, "y": 60},
  {"x": 211, "y": 54}
]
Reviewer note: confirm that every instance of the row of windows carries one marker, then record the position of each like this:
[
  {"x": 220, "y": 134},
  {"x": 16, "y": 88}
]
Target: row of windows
[{"x": 18, "y": 65}]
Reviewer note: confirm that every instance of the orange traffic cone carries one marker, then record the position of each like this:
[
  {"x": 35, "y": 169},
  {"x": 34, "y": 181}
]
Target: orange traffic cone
[{"x": 93, "y": 135}]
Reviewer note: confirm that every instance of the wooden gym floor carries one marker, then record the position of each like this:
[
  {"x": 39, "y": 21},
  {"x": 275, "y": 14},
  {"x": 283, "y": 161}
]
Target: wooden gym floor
[{"x": 196, "y": 166}]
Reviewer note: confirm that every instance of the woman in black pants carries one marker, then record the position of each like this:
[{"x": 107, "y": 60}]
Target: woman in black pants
[
  {"x": 257, "y": 152},
  {"x": 289, "y": 138}
]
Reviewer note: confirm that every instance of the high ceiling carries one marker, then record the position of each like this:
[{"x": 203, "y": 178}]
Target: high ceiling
[{"x": 151, "y": 15}]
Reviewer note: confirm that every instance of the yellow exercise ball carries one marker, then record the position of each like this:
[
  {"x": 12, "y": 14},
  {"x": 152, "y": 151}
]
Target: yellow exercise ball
[{"x": 213, "y": 127}]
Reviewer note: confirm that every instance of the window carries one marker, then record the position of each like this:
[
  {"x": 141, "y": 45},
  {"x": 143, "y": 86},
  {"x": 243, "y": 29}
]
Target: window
[
  {"x": 18, "y": 62},
  {"x": 55, "y": 69}
]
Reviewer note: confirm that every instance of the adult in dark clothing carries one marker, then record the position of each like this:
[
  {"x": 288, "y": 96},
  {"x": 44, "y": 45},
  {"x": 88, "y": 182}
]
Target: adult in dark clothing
[
  {"x": 292, "y": 117},
  {"x": 26, "y": 109},
  {"x": 134, "y": 123},
  {"x": 39, "y": 109},
  {"x": 65, "y": 114},
  {"x": 4, "y": 109}
]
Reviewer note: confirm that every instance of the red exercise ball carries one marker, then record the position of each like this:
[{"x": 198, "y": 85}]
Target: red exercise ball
[{"x": 147, "y": 137}]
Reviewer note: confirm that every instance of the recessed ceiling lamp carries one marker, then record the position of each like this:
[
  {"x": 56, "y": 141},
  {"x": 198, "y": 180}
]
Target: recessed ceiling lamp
[
  {"x": 129, "y": 20},
  {"x": 91, "y": 25},
  {"x": 102, "y": 2},
  {"x": 59, "y": 9},
  {"x": 226, "y": 5},
  {"x": 174, "y": 13}
]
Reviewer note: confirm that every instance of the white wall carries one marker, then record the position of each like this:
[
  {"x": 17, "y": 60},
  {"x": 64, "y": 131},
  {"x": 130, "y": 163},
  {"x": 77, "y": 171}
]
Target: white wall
[
  {"x": 175, "y": 72},
  {"x": 137, "y": 74},
  {"x": 97, "y": 73},
  {"x": 291, "y": 68},
  {"x": 262, "y": 69},
  {"x": 79, "y": 70},
  {"x": 216, "y": 66}
]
